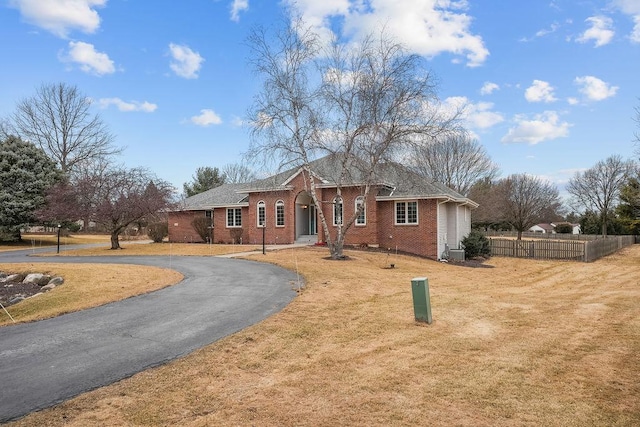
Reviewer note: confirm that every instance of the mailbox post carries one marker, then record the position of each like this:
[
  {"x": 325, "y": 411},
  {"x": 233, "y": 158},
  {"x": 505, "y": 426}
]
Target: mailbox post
[{"x": 421, "y": 299}]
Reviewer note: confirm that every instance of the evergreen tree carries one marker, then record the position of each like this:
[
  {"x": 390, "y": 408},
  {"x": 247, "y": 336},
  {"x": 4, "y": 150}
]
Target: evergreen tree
[
  {"x": 25, "y": 175},
  {"x": 205, "y": 179},
  {"x": 629, "y": 208}
]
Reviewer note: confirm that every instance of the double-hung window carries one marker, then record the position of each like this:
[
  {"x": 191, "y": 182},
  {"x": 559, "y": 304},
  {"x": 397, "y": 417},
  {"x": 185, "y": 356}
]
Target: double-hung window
[{"x": 406, "y": 213}]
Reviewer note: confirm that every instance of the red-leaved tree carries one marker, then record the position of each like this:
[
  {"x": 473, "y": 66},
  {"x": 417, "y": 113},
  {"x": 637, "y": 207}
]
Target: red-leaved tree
[{"x": 113, "y": 199}]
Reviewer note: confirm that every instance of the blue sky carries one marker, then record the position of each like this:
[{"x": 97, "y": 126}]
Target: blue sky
[{"x": 550, "y": 86}]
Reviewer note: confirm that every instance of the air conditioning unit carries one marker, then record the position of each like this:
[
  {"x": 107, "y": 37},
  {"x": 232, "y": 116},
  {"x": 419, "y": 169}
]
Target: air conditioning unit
[{"x": 456, "y": 254}]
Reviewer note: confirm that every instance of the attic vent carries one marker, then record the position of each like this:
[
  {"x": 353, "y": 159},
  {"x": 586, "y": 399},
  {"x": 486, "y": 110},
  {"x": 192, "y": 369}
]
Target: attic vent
[{"x": 456, "y": 254}]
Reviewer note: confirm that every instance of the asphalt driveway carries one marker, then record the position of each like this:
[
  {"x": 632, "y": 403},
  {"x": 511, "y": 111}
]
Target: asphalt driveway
[{"x": 47, "y": 362}]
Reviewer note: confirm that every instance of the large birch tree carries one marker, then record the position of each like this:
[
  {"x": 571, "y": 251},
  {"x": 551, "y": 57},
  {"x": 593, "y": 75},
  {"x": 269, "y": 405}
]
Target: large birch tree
[{"x": 365, "y": 104}]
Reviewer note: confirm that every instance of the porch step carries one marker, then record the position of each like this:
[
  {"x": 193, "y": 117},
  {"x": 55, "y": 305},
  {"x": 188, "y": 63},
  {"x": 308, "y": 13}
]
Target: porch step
[{"x": 307, "y": 239}]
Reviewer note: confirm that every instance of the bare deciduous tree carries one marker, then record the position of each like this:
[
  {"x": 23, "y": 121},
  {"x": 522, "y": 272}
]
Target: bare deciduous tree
[
  {"x": 456, "y": 161},
  {"x": 486, "y": 193},
  {"x": 4, "y": 129},
  {"x": 362, "y": 104},
  {"x": 637, "y": 134},
  {"x": 597, "y": 189},
  {"x": 58, "y": 119},
  {"x": 527, "y": 201},
  {"x": 236, "y": 173}
]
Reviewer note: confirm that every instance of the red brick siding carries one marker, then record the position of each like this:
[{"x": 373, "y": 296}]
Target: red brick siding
[
  {"x": 419, "y": 239},
  {"x": 224, "y": 234},
  {"x": 273, "y": 235},
  {"x": 180, "y": 228},
  {"x": 357, "y": 234}
]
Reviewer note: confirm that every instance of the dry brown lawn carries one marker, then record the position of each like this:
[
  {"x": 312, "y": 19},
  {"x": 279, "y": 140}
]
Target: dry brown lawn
[
  {"x": 523, "y": 343},
  {"x": 43, "y": 240},
  {"x": 85, "y": 286}
]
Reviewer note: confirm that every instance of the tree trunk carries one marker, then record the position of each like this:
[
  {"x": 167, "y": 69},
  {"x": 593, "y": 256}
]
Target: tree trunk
[
  {"x": 115, "y": 243},
  {"x": 336, "y": 248},
  {"x": 519, "y": 235}
]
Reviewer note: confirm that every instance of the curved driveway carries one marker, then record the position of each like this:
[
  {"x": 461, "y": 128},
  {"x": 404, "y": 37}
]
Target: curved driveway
[{"x": 47, "y": 362}]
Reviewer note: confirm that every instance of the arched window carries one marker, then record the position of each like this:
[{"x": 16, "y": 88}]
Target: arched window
[
  {"x": 279, "y": 213},
  {"x": 337, "y": 210},
  {"x": 261, "y": 213},
  {"x": 361, "y": 219}
]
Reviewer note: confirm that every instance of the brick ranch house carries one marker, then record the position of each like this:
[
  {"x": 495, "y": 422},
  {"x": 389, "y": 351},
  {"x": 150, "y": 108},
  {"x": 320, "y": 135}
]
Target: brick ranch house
[{"x": 403, "y": 211}]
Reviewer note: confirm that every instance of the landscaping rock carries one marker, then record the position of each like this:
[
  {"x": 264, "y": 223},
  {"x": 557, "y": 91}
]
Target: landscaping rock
[
  {"x": 37, "y": 278},
  {"x": 15, "y": 278},
  {"x": 18, "y": 287},
  {"x": 56, "y": 281},
  {"x": 16, "y": 299}
]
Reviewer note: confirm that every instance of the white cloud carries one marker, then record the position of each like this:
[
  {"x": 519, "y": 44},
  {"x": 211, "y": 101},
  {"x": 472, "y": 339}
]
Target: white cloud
[
  {"x": 237, "y": 122},
  {"x": 631, "y": 8},
  {"x": 238, "y": 6},
  {"x": 635, "y": 35},
  {"x": 600, "y": 31},
  {"x": 206, "y": 118},
  {"x": 488, "y": 88},
  {"x": 426, "y": 27},
  {"x": 145, "y": 106},
  {"x": 480, "y": 116},
  {"x": 540, "y": 91},
  {"x": 595, "y": 89},
  {"x": 474, "y": 116},
  {"x": 186, "y": 63},
  {"x": 61, "y": 16},
  {"x": 543, "y": 32},
  {"x": 542, "y": 127},
  {"x": 573, "y": 101},
  {"x": 554, "y": 27},
  {"x": 90, "y": 60}
]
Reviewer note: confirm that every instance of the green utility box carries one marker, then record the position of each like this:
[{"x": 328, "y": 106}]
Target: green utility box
[{"x": 421, "y": 299}]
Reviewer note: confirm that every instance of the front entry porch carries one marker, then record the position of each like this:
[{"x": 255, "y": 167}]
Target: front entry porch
[{"x": 306, "y": 219}]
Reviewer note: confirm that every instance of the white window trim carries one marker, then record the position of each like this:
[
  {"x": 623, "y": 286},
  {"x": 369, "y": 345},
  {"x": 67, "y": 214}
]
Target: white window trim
[
  {"x": 406, "y": 212},
  {"x": 284, "y": 221},
  {"x": 364, "y": 211},
  {"x": 234, "y": 218},
  {"x": 263, "y": 205}
]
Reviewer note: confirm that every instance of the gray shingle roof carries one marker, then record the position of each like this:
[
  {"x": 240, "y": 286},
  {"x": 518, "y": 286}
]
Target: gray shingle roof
[
  {"x": 224, "y": 195},
  {"x": 397, "y": 181}
]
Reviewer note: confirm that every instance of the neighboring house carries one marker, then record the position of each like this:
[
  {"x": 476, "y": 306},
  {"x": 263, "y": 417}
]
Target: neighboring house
[
  {"x": 543, "y": 228},
  {"x": 551, "y": 228},
  {"x": 403, "y": 212}
]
